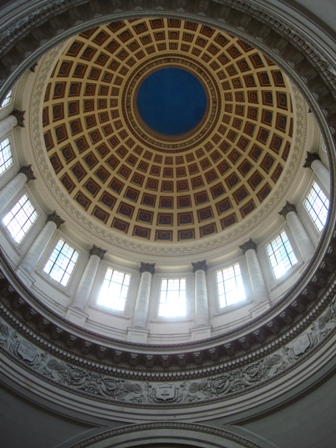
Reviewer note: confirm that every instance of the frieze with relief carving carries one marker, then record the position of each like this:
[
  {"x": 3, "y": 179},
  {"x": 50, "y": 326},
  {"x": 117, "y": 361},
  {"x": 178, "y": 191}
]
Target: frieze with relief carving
[{"x": 110, "y": 387}]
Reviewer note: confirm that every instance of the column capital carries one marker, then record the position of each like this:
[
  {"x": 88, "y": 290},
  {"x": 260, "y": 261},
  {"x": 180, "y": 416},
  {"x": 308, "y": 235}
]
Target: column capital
[
  {"x": 97, "y": 251},
  {"x": 54, "y": 217},
  {"x": 286, "y": 209},
  {"x": 311, "y": 156},
  {"x": 199, "y": 266},
  {"x": 19, "y": 115},
  {"x": 28, "y": 172},
  {"x": 147, "y": 267},
  {"x": 250, "y": 244}
]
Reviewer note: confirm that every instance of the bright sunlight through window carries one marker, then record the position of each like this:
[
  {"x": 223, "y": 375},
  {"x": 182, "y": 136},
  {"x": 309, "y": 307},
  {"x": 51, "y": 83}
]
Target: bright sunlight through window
[
  {"x": 173, "y": 299},
  {"x": 20, "y": 219},
  {"x": 61, "y": 262},
  {"x": 6, "y": 157},
  {"x": 317, "y": 206},
  {"x": 6, "y": 100},
  {"x": 114, "y": 291},
  {"x": 230, "y": 286},
  {"x": 281, "y": 255}
]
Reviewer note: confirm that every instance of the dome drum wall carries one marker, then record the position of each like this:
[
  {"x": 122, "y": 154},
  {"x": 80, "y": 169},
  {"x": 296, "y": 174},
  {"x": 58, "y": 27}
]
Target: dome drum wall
[{"x": 301, "y": 341}]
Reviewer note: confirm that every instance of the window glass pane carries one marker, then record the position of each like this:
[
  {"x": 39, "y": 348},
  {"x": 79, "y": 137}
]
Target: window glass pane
[
  {"x": 6, "y": 100},
  {"x": 6, "y": 157},
  {"x": 317, "y": 206},
  {"x": 230, "y": 286},
  {"x": 173, "y": 299},
  {"x": 20, "y": 219},
  {"x": 114, "y": 291},
  {"x": 281, "y": 255},
  {"x": 61, "y": 262}
]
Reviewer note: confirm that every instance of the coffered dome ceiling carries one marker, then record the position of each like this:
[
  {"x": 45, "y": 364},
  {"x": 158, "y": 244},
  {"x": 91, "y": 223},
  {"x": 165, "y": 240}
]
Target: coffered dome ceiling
[{"x": 136, "y": 173}]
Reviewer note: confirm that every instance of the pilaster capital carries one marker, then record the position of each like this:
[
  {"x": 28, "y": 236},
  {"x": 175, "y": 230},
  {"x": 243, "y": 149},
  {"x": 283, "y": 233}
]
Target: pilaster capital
[
  {"x": 97, "y": 251},
  {"x": 250, "y": 244},
  {"x": 311, "y": 156},
  {"x": 147, "y": 267},
  {"x": 28, "y": 172},
  {"x": 286, "y": 209},
  {"x": 199, "y": 266},
  {"x": 19, "y": 115},
  {"x": 54, "y": 217}
]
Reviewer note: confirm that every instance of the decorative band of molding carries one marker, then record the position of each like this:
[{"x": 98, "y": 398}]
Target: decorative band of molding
[
  {"x": 100, "y": 383},
  {"x": 177, "y": 432}
]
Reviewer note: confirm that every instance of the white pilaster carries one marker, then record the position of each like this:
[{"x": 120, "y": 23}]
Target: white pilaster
[
  {"x": 7, "y": 124},
  {"x": 142, "y": 302},
  {"x": 37, "y": 248},
  {"x": 14, "y": 186},
  {"x": 258, "y": 286},
  {"x": 299, "y": 233}
]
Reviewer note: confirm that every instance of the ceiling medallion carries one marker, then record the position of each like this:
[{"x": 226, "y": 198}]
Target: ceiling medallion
[
  {"x": 161, "y": 142},
  {"x": 171, "y": 101}
]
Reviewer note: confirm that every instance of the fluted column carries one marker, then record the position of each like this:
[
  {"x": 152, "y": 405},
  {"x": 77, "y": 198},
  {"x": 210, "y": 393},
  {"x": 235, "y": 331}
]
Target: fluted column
[
  {"x": 313, "y": 161},
  {"x": 82, "y": 294},
  {"x": 35, "y": 251},
  {"x": 201, "y": 294},
  {"x": 142, "y": 301},
  {"x": 14, "y": 186},
  {"x": 259, "y": 290},
  {"x": 300, "y": 234},
  {"x": 16, "y": 118}
]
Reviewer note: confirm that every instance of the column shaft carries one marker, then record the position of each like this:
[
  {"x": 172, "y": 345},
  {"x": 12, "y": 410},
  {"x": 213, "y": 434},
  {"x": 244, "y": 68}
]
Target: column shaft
[
  {"x": 37, "y": 248},
  {"x": 11, "y": 189},
  {"x": 82, "y": 294},
  {"x": 142, "y": 301},
  {"x": 259, "y": 290},
  {"x": 7, "y": 125},
  {"x": 301, "y": 236},
  {"x": 201, "y": 299},
  {"x": 322, "y": 173}
]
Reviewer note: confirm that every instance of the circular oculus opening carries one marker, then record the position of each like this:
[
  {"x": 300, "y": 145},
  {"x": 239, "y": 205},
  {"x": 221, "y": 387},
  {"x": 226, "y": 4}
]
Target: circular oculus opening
[{"x": 171, "y": 101}]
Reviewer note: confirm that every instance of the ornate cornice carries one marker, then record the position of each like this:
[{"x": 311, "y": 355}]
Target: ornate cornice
[
  {"x": 147, "y": 267},
  {"x": 250, "y": 244},
  {"x": 200, "y": 266},
  {"x": 288, "y": 207},
  {"x": 54, "y": 217},
  {"x": 97, "y": 251}
]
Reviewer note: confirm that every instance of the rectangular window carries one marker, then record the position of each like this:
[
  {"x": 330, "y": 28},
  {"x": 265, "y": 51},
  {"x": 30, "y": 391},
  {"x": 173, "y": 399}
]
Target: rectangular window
[
  {"x": 173, "y": 298},
  {"x": 61, "y": 262},
  {"x": 317, "y": 206},
  {"x": 230, "y": 286},
  {"x": 281, "y": 255},
  {"x": 114, "y": 291},
  {"x": 6, "y": 157},
  {"x": 6, "y": 100},
  {"x": 20, "y": 219}
]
